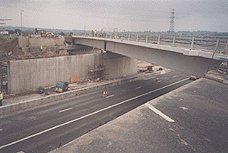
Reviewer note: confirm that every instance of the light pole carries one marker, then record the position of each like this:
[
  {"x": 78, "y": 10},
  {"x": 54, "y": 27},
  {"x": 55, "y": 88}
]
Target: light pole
[{"x": 21, "y": 20}]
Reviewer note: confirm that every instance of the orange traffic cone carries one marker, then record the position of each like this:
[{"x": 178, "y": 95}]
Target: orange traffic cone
[
  {"x": 104, "y": 93},
  {"x": 157, "y": 79},
  {"x": 98, "y": 79},
  {"x": 107, "y": 93}
]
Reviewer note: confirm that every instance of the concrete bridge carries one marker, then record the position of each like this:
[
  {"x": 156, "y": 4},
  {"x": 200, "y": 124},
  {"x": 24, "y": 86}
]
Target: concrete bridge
[{"x": 192, "y": 60}]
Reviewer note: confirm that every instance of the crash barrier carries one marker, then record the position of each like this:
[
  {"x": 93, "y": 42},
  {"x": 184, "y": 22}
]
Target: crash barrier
[{"x": 61, "y": 96}]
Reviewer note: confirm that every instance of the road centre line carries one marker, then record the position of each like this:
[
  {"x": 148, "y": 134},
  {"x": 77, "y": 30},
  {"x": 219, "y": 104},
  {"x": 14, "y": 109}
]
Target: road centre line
[
  {"x": 74, "y": 120},
  {"x": 138, "y": 87},
  {"x": 109, "y": 96},
  {"x": 159, "y": 112},
  {"x": 65, "y": 110}
]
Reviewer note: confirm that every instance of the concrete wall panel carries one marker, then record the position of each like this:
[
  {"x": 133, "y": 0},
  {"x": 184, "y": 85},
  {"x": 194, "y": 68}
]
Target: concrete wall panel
[
  {"x": 45, "y": 42},
  {"x": 25, "y": 41},
  {"x": 26, "y": 75},
  {"x": 119, "y": 66}
]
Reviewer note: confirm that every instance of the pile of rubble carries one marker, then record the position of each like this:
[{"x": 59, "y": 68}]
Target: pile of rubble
[
  {"x": 145, "y": 67},
  {"x": 9, "y": 50}
]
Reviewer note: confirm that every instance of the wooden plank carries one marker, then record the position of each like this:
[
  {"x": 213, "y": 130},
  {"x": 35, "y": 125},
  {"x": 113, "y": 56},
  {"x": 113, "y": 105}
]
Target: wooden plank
[{"x": 75, "y": 78}]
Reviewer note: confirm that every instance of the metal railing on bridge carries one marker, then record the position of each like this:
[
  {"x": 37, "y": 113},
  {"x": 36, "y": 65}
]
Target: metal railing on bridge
[{"x": 203, "y": 43}]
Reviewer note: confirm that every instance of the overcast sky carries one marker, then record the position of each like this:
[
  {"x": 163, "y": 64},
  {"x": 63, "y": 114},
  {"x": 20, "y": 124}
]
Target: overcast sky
[{"x": 128, "y": 15}]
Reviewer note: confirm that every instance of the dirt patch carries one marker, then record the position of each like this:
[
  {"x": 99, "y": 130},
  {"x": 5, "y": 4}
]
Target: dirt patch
[
  {"x": 9, "y": 49},
  {"x": 69, "y": 40}
]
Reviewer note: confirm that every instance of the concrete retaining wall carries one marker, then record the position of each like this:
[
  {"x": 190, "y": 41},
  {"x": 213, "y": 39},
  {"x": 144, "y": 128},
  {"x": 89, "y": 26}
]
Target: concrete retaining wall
[
  {"x": 25, "y": 41},
  {"x": 27, "y": 75},
  {"x": 61, "y": 96}
]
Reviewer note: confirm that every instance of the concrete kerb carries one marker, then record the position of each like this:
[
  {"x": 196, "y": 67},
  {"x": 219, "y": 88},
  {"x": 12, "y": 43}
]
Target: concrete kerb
[
  {"x": 50, "y": 98},
  {"x": 211, "y": 77},
  {"x": 214, "y": 78}
]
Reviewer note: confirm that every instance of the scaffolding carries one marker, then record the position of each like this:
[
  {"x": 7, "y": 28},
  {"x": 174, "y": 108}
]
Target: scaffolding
[{"x": 95, "y": 73}]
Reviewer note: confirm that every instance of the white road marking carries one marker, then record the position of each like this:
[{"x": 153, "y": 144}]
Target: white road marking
[
  {"x": 1, "y": 130},
  {"x": 65, "y": 110},
  {"x": 138, "y": 87},
  {"x": 74, "y": 120},
  {"x": 207, "y": 139},
  {"x": 159, "y": 112},
  {"x": 109, "y": 96},
  {"x": 184, "y": 108}
]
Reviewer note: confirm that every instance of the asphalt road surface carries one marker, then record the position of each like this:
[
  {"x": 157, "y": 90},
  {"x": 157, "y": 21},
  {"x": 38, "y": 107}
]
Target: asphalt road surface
[
  {"x": 190, "y": 119},
  {"x": 48, "y": 127}
]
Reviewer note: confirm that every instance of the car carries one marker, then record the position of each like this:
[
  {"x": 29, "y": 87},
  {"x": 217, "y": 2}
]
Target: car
[{"x": 193, "y": 77}]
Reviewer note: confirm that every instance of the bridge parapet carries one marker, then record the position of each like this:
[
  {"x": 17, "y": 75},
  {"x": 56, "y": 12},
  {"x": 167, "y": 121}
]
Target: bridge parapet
[
  {"x": 216, "y": 49},
  {"x": 202, "y": 43}
]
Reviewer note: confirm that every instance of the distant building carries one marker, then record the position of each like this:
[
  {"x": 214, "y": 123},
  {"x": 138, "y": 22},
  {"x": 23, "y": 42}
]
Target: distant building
[{"x": 4, "y": 32}]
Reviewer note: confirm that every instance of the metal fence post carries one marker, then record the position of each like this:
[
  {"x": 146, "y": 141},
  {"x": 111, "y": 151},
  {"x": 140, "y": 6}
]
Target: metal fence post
[
  {"x": 174, "y": 40},
  {"x": 159, "y": 40},
  {"x": 129, "y": 37},
  {"x": 137, "y": 38},
  {"x": 216, "y": 47},
  {"x": 217, "y": 44},
  {"x": 110, "y": 35},
  {"x": 122, "y": 38},
  {"x": 146, "y": 38},
  {"x": 192, "y": 44}
]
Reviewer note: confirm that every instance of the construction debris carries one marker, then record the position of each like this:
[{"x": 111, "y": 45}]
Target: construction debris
[
  {"x": 95, "y": 73},
  {"x": 9, "y": 49},
  {"x": 145, "y": 67},
  {"x": 40, "y": 90},
  {"x": 75, "y": 78}
]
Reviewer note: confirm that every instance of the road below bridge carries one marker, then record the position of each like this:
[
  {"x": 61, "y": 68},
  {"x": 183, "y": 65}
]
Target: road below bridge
[
  {"x": 48, "y": 127},
  {"x": 192, "y": 119}
]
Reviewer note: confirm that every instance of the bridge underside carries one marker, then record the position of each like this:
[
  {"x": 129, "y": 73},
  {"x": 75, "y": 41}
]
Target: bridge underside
[{"x": 193, "y": 65}]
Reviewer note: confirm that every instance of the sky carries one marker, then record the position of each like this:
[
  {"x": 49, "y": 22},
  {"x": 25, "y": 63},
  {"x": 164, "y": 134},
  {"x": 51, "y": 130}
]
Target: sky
[{"x": 126, "y": 15}]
